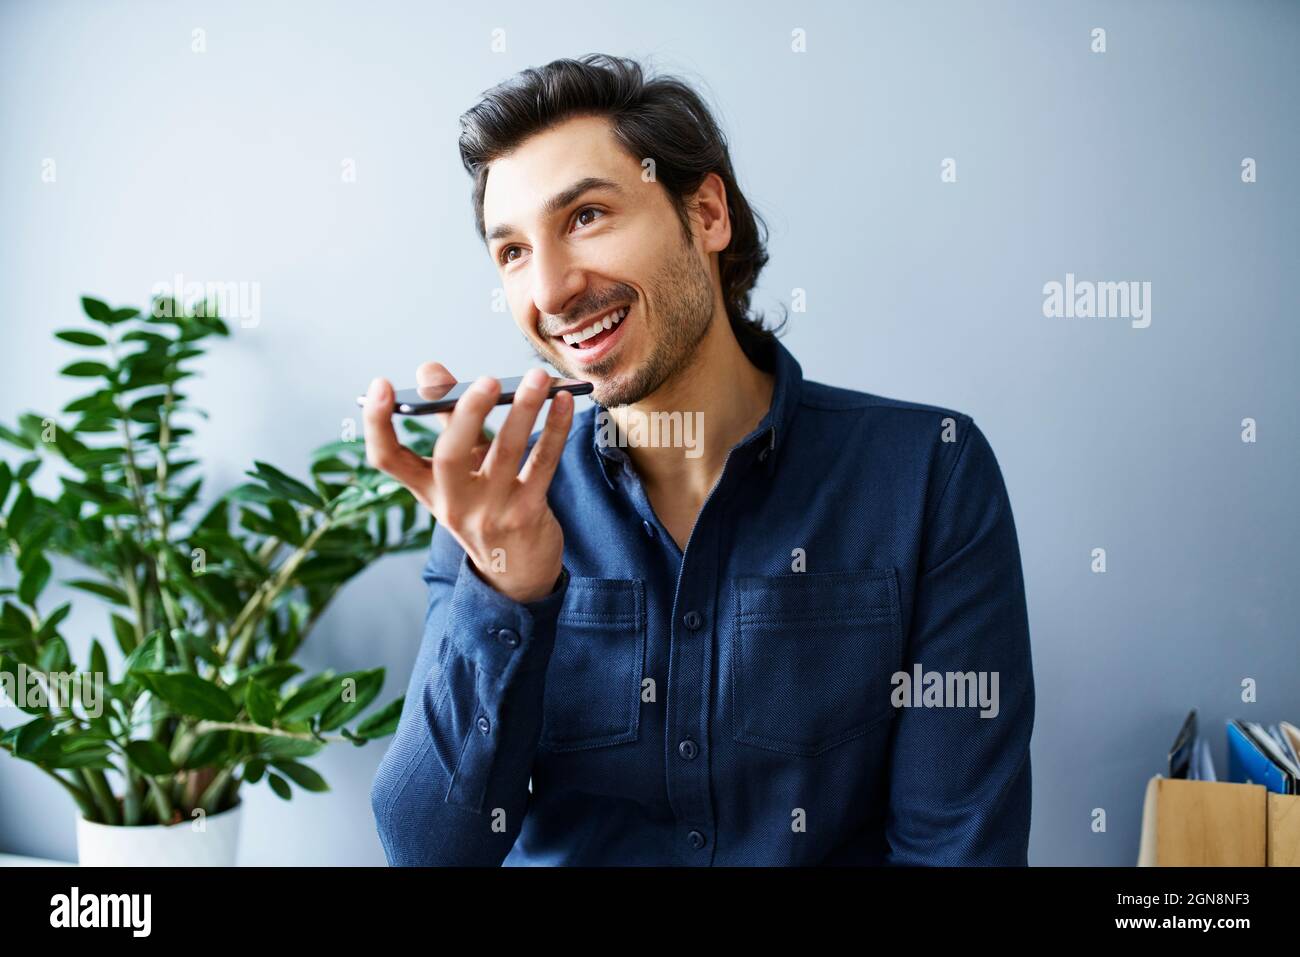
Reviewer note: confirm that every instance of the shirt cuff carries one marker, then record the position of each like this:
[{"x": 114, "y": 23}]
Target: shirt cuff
[{"x": 498, "y": 633}]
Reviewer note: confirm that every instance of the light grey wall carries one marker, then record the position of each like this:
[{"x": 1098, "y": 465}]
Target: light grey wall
[{"x": 1124, "y": 165}]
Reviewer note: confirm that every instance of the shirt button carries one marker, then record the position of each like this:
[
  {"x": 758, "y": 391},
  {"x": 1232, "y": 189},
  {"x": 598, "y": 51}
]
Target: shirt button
[
  {"x": 696, "y": 839},
  {"x": 509, "y": 636},
  {"x": 484, "y": 724},
  {"x": 692, "y": 620},
  {"x": 649, "y": 529},
  {"x": 762, "y": 456},
  {"x": 688, "y": 749}
]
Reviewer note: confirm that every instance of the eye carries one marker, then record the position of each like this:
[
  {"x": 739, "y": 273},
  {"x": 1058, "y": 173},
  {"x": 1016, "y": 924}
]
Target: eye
[
  {"x": 588, "y": 209},
  {"x": 503, "y": 257}
]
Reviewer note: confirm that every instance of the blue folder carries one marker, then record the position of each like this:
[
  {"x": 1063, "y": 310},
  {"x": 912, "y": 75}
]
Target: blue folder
[{"x": 1249, "y": 763}]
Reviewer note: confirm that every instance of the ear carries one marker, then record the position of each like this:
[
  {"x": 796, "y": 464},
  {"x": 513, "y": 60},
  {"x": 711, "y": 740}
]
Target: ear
[{"x": 711, "y": 216}]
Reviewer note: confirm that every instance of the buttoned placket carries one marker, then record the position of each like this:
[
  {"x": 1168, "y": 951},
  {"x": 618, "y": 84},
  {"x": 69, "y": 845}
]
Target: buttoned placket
[{"x": 693, "y": 619}]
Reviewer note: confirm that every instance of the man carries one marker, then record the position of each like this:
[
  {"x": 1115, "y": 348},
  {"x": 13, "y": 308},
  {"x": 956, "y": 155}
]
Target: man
[{"x": 710, "y": 653}]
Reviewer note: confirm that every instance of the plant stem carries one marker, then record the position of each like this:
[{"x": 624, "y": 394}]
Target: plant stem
[
  {"x": 131, "y": 800},
  {"x": 210, "y": 800},
  {"x": 132, "y": 588},
  {"x": 268, "y": 549},
  {"x": 205, "y": 726},
  {"x": 132, "y": 473},
  {"x": 183, "y": 744},
  {"x": 97, "y": 784},
  {"x": 84, "y": 802},
  {"x": 161, "y": 800},
  {"x": 245, "y": 626}
]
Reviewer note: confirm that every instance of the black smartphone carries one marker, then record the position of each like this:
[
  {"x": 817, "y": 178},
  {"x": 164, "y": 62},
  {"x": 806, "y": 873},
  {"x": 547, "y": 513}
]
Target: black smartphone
[{"x": 443, "y": 398}]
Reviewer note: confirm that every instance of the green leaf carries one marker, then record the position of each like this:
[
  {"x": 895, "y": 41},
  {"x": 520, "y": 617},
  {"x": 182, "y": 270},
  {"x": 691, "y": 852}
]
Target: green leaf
[
  {"x": 85, "y": 369},
  {"x": 280, "y": 786},
  {"x": 259, "y": 523},
  {"x": 280, "y": 747},
  {"x": 54, "y": 656},
  {"x": 195, "y": 586},
  {"x": 34, "y": 580},
  {"x": 273, "y": 674},
  {"x": 95, "y": 423},
  {"x": 101, "y": 493},
  {"x": 187, "y": 498},
  {"x": 189, "y": 694},
  {"x": 98, "y": 660},
  {"x": 79, "y": 338},
  {"x": 301, "y": 775},
  {"x": 92, "y": 757},
  {"x": 150, "y": 655},
  {"x": 327, "y": 568},
  {"x": 287, "y": 521},
  {"x": 32, "y": 738},
  {"x": 100, "y": 402},
  {"x": 250, "y": 492},
  {"x": 309, "y": 699},
  {"x": 97, "y": 310},
  {"x": 356, "y": 447},
  {"x": 144, "y": 335},
  {"x": 197, "y": 645},
  {"x": 367, "y": 687},
  {"x": 49, "y": 628},
  {"x": 289, "y": 487},
  {"x": 96, "y": 458},
  {"x": 383, "y": 722},
  {"x": 150, "y": 757},
  {"x": 21, "y": 511},
  {"x": 14, "y": 623},
  {"x": 253, "y": 770},
  {"x": 262, "y": 704},
  {"x": 124, "y": 632},
  {"x": 103, "y": 589},
  {"x": 14, "y": 438},
  {"x": 331, "y": 465},
  {"x": 210, "y": 750}
]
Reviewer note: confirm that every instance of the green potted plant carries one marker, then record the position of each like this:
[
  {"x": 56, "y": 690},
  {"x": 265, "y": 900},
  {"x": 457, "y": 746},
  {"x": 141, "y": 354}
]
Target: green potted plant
[{"x": 207, "y": 612}]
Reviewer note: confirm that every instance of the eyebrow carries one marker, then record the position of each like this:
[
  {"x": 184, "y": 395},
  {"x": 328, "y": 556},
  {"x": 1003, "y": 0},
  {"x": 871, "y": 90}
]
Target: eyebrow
[{"x": 559, "y": 201}]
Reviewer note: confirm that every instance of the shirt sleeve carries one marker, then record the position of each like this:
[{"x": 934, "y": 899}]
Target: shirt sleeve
[
  {"x": 452, "y": 788},
  {"x": 960, "y": 782}
]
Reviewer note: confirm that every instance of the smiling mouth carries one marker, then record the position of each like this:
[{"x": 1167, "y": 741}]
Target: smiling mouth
[{"x": 592, "y": 335}]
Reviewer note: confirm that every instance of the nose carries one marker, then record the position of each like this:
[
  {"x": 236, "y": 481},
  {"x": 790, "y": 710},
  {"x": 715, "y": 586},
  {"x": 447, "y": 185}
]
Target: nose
[{"x": 557, "y": 279}]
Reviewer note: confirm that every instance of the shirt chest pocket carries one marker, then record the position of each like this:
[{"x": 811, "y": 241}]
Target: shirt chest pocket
[
  {"x": 592, "y": 697},
  {"x": 813, "y": 657}
]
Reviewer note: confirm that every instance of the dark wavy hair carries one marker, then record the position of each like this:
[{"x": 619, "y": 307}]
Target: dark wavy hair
[{"x": 660, "y": 117}]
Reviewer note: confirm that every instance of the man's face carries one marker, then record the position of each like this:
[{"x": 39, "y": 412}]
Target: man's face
[{"x": 577, "y": 237}]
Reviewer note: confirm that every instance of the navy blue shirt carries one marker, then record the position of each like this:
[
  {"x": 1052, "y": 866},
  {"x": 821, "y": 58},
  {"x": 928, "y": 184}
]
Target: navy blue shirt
[{"x": 741, "y": 702}]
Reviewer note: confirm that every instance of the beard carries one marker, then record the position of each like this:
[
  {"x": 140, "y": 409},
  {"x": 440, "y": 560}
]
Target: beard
[{"x": 683, "y": 290}]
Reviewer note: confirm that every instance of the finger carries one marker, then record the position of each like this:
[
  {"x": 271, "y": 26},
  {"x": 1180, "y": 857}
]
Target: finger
[
  {"x": 383, "y": 450},
  {"x": 430, "y": 374},
  {"x": 538, "y": 471},
  {"x": 453, "y": 454},
  {"x": 507, "y": 449},
  {"x": 433, "y": 373}
]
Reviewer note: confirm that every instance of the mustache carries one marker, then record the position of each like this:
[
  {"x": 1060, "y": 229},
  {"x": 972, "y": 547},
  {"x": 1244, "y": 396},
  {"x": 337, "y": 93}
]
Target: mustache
[{"x": 554, "y": 325}]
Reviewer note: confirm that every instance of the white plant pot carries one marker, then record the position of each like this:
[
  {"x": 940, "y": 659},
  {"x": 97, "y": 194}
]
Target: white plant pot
[{"x": 208, "y": 842}]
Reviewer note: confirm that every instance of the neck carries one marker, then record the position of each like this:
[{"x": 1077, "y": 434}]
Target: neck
[{"x": 720, "y": 397}]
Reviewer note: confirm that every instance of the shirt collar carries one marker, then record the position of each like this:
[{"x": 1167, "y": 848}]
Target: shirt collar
[{"x": 763, "y": 443}]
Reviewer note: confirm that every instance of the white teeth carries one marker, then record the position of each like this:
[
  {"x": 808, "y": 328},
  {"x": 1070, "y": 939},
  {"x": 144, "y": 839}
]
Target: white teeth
[{"x": 600, "y": 325}]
